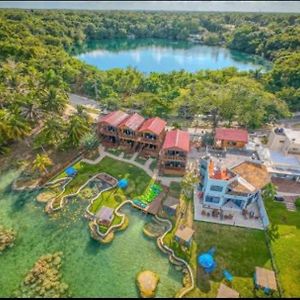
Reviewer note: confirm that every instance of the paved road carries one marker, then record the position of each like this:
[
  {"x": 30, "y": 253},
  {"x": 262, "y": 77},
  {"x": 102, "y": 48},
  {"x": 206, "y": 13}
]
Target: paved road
[{"x": 79, "y": 100}]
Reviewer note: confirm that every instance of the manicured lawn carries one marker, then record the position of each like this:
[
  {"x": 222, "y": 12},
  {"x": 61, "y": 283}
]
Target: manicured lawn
[
  {"x": 138, "y": 180},
  {"x": 112, "y": 198},
  {"x": 285, "y": 241},
  {"x": 141, "y": 160},
  {"x": 114, "y": 151},
  {"x": 238, "y": 250},
  {"x": 175, "y": 189},
  {"x": 153, "y": 165}
]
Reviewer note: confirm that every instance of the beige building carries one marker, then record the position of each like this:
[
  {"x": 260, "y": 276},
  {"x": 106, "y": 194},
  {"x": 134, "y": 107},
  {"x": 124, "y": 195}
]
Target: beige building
[{"x": 284, "y": 140}]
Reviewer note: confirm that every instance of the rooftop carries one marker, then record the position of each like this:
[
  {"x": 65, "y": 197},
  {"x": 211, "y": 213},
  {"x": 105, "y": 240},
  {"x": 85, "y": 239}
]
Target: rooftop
[
  {"x": 105, "y": 213},
  {"x": 184, "y": 233},
  {"x": 178, "y": 139},
  {"x": 114, "y": 118},
  {"x": 155, "y": 125},
  {"x": 231, "y": 134},
  {"x": 292, "y": 135},
  {"x": 133, "y": 122},
  {"x": 265, "y": 278},
  {"x": 256, "y": 174},
  {"x": 226, "y": 292}
]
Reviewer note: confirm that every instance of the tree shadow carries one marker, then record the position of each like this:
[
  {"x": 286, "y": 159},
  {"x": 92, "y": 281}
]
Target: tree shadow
[{"x": 202, "y": 280}]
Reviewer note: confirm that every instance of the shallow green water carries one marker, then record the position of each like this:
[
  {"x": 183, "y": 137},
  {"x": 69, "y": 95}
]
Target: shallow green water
[
  {"x": 154, "y": 55},
  {"x": 90, "y": 269}
]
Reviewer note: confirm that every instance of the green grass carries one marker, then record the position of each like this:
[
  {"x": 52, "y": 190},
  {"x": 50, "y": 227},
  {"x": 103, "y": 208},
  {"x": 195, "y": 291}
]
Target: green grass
[
  {"x": 111, "y": 198},
  {"x": 285, "y": 241},
  {"x": 114, "y": 151},
  {"x": 153, "y": 165},
  {"x": 238, "y": 250},
  {"x": 141, "y": 160},
  {"x": 175, "y": 189},
  {"x": 138, "y": 179}
]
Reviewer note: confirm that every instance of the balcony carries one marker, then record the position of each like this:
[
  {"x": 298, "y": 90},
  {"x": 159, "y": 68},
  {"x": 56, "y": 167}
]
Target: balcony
[
  {"x": 169, "y": 157},
  {"x": 108, "y": 131}
]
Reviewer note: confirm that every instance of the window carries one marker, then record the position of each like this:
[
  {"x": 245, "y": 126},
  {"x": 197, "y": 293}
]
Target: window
[
  {"x": 216, "y": 188},
  {"x": 212, "y": 199}
]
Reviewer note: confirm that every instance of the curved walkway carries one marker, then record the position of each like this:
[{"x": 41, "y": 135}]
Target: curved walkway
[
  {"x": 49, "y": 206},
  {"x": 166, "y": 249}
]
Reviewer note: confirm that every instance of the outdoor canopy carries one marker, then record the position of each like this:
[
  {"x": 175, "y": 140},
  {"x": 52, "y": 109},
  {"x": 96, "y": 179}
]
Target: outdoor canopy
[
  {"x": 206, "y": 260},
  {"x": 123, "y": 183},
  {"x": 71, "y": 171}
]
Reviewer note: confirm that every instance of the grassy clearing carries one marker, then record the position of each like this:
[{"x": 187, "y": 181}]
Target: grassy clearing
[
  {"x": 238, "y": 250},
  {"x": 285, "y": 243}
]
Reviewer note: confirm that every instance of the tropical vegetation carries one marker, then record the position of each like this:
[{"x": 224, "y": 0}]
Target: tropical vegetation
[{"x": 38, "y": 69}]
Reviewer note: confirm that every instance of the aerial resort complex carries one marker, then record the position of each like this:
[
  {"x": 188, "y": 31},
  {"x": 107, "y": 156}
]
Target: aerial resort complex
[{"x": 149, "y": 154}]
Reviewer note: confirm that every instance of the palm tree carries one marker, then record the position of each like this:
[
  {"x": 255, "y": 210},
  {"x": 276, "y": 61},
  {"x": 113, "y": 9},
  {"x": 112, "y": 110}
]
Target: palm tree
[
  {"x": 54, "y": 100},
  {"x": 52, "y": 133},
  {"x": 17, "y": 127},
  {"x": 31, "y": 109},
  {"x": 41, "y": 162},
  {"x": 188, "y": 183},
  {"x": 77, "y": 128}
]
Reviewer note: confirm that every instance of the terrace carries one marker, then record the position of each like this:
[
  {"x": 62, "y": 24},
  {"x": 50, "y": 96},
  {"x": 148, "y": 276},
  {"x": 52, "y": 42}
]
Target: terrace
[{"x": 229, "y": 214}]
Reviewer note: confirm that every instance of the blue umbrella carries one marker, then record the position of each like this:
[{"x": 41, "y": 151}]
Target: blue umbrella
[
  {"x": 71, "y": 171},
  {"x": 123, "y": 183},
  {"x": 206, "y": 260}
]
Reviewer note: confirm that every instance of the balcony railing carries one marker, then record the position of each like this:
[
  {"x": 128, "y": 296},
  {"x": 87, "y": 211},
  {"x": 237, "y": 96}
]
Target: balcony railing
[{"x": 174, "y": 157}]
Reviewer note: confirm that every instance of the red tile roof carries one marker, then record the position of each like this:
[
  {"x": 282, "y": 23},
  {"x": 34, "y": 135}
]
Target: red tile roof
[
  {"x": 155, "y": 125},
  {"x": 230, "y": 134},
  {"x": 177, "y": 139},
  {"x": 133, "y": 122},
  {"x": 114, "y": 118}
]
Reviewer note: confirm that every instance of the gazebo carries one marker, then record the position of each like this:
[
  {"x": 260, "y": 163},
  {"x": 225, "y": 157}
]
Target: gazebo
[
  {"x": 265, "y": 279},
  {"x": 226, "y": 292}
]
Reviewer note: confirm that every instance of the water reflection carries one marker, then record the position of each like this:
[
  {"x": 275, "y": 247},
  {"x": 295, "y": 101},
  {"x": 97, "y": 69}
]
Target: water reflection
[{"x": 150, "y": 55}]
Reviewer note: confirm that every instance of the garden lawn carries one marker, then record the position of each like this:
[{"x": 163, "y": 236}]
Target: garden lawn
[
  {"x": 137, "y": 178},
  {"x": 285, "y": 241},
  {"x": 111, "y": 198},
  {"x": 238, "y": 250}
]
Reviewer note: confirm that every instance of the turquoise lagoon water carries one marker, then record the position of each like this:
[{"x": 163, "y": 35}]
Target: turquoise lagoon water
[
  {"x": 150, "y": 55},
  {"x": 90, "y": 269}
]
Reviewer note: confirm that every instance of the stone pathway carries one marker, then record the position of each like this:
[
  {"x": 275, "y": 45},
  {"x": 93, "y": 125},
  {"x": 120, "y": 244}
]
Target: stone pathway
[{"x": 149, "y": 162}]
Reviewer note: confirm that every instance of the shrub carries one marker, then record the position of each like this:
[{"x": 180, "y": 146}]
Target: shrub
[{"x": 297, "y": 203}]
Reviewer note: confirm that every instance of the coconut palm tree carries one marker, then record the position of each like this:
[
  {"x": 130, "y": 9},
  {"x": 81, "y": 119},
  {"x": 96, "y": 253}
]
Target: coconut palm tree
[
  {"x": 77, "y": 128},
  {"x": 52, "y": 133},
  {"x": 188, "y": 183},
  {"x": 41, "y": 162},
  {"x": 31, "y": 108},
  {"x": 17, "y": 127},
  {"x": 54, "y": 100}
]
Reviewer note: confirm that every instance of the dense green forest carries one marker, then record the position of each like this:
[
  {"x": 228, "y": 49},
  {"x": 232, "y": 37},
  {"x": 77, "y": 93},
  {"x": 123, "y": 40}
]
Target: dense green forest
[{"x": 37, "y": 70}]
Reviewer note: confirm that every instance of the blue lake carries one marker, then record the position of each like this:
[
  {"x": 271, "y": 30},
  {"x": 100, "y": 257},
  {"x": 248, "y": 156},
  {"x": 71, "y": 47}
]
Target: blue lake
[{"x": 165, "y": 56}]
